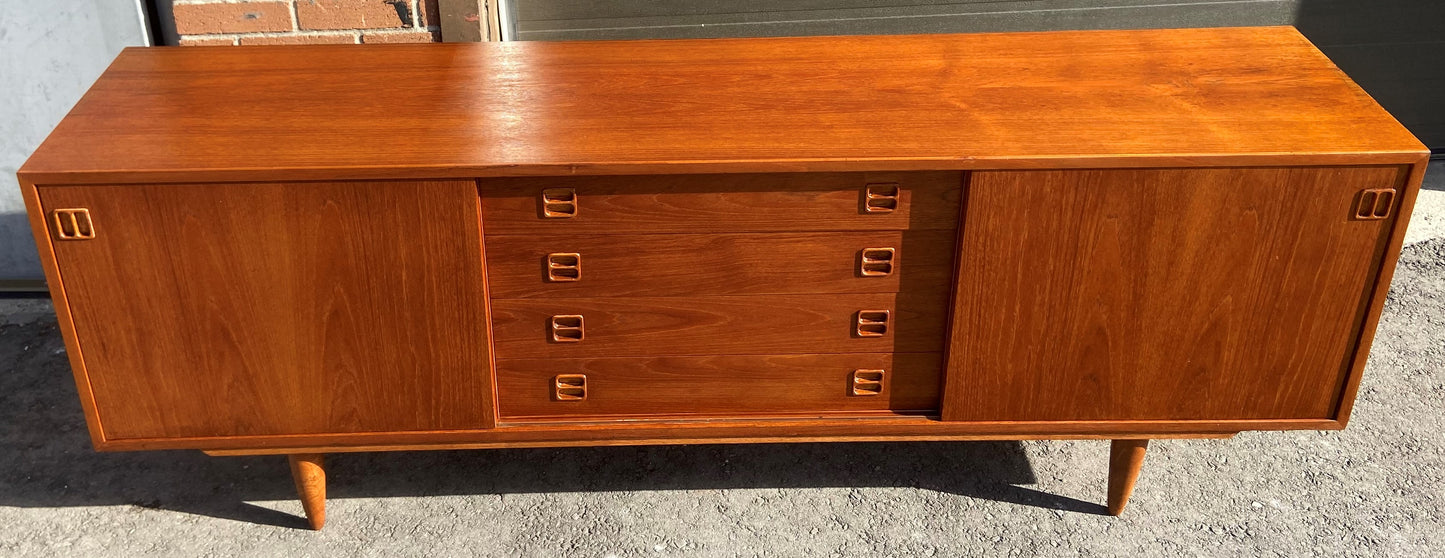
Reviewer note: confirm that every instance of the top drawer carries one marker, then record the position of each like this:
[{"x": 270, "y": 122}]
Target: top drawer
[{"x": 722, "y": 203}]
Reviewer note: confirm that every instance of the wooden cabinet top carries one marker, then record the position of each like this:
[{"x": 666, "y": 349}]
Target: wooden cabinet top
[{"x": 1080, "y": 99}]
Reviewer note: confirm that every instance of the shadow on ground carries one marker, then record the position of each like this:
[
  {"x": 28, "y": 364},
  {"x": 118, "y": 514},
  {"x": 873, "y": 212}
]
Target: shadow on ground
[{"x": 46, "y": 461}]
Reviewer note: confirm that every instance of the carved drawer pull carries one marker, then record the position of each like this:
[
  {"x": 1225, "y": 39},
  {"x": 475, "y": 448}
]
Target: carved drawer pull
[
  {"x": 1375, "y": 204},
  {"x": 880, "y": 198},
  {"x": 564, "y": 266},
  {"x": 559, "y": 203},
  {"x": 73, "y": 224},
  {"x": 866, "y": 382},
  {"x": 870, "y": 323},
  {"x": 569, "y": 387},
  {"x": 876, "y": 262},
  {"x": 566, "y": 328}
]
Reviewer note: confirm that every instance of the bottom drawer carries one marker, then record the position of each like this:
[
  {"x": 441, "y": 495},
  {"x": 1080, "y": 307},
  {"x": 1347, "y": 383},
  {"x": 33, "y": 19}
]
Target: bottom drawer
[{"x": 717, "y": 386}]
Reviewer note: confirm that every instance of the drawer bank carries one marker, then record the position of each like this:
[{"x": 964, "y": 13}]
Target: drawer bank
[{"x": 1113, "y": 235}]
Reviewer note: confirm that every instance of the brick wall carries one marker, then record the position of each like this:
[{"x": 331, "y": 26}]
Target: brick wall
[{"x": 289, "y": 22}]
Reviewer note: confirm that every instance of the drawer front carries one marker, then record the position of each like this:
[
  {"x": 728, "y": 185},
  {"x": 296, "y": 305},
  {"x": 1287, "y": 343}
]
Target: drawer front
[
  {"x": 763, "y": 324},
  {"x": 722, "y": 203},
  {"x": 694, "y": 264},
  {"x": 721, "y": 386}
]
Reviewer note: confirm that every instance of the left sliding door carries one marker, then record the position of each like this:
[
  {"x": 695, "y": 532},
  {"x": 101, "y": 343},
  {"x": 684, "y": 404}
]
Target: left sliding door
[{"x": 218, "y": 310}]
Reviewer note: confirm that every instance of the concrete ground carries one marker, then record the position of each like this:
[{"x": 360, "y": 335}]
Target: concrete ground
[{"x": 1374, "y": 489}]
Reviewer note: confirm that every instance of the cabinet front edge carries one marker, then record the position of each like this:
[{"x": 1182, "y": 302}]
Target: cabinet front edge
[
  {"x": 960, "y": 163},
  {"x": 711, "y": 432}
]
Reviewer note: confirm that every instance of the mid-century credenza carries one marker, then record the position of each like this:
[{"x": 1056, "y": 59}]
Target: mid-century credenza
[{"x": 1115, "y": 235}]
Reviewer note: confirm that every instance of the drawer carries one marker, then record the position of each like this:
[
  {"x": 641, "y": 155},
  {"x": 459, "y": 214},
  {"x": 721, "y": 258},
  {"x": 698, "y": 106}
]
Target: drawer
[
  {"x": 763, "y": 324},
  {"x": 702, "y": 264},
  {"x": 718, "y": 386},
  {"x": 722, "y": 203}
]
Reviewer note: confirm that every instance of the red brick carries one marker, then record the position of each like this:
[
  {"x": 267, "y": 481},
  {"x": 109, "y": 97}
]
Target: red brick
[
  {"x": 408, "y": 37},
  {"x": 201, "y": 19},
  {"x": 354, "y": 14},
  {"x": 431, "y": 13},
  {"x": 206, "y": 41},
  {"x": 328, "y": 39}
]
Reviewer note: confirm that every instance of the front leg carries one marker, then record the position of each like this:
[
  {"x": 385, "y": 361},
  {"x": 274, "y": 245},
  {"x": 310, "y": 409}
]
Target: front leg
[
  {"x": 311, "y": 486},
  {"x": 1125, "y": 459}
]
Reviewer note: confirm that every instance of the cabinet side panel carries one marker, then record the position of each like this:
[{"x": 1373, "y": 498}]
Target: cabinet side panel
[
  {"x": 271, "y": 309},
  {"x": 1203, "y": 294}
]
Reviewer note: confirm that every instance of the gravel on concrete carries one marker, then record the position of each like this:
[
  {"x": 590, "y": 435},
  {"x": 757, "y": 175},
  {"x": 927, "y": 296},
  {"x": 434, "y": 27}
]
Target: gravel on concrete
[
  {"x": 1428, "y": 219},
  {"x": 1374, "y": 489}
]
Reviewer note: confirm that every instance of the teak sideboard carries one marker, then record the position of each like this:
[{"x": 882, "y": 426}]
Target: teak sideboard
[{"x": 1120, "y": 235}]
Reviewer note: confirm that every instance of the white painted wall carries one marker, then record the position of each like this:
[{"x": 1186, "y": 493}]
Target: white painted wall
[{"x": 50, "y": 52}]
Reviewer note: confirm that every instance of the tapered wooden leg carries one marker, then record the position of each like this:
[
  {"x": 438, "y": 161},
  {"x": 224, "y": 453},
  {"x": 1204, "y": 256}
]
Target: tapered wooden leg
[
  {"x": 311, "y": 486},
  {"x": 1125, "y": 458}
]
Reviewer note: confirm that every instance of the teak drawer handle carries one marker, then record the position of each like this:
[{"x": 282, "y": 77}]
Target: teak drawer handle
[
  {"x": 866, "y": 382},
  {"x": 870, "y": 323},
  {"x": 876, "y": 262},
  {"x": 564, "y": 266},
  {"x": 559, "y": 203},
  {"x": 880, "y": 198},
  {"x": 1375, "y": 204},
  {"x": 566, "y": 328},
  {"x": 73, "y": 224},
  {"x": 569, "y": 387}
]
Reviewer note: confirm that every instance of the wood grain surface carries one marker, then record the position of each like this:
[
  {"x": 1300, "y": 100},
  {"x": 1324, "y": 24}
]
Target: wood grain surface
[
  {"x": 729, "y": 386},
  {"x": 1162, "y": 294},
  {"x": 1076, "y": 99},
  {"x": 1126, "y": 457},
  {"x": 1409, "y": 191},
  {"x": 836, "y": 438},
  {"x": 776, "y": 202},
  {"x": 244, "y": 309},
  {"x": 743, "y": 263},
  {"x": 308, "y": 472},
  {"x": 703, "y": 325},
  {"x": 745, "y": 430}
]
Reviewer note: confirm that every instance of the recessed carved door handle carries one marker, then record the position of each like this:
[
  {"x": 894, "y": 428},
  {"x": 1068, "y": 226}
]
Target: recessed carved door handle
[
  {"x": 564, "y": 266},
  {"x": 566, "y": 328},
  {"x": 559, "y": 203},
  {"x": 876, "y": 262},
  {"x": 866, "y": 382},
  {"x": 1375, "y": 204},
  {"x": 569, "y": 387},
  {"x": 880, "y": 198},
  {"x": 73, "y": 224},
  {"x": 870, "y": 323}
]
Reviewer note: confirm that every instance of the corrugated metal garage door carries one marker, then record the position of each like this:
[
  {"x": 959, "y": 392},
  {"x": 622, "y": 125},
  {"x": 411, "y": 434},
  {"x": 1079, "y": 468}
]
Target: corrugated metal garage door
[{"x": 1393, "y": 48}]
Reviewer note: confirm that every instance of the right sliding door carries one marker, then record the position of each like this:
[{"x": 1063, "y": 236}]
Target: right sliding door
[{"x": 1175, "y": 294}]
